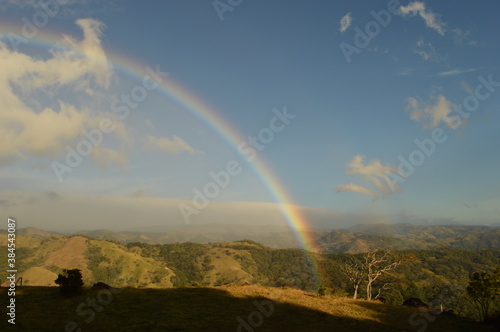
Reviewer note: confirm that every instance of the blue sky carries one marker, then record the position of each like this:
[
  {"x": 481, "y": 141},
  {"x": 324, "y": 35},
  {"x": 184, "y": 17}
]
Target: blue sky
[{"x": 357, "y": 112}]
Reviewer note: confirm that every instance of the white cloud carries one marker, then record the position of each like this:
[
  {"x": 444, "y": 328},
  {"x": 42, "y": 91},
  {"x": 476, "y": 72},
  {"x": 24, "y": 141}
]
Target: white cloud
[
  {"x": 175, "y": 144},
  {"x": 32, "y": 130},
  {"x": 345, "y": 22},
  {"x": 375, "y": 173},
  {"x": 432, "y": 113},
  {"x": 432, "y": 20}
]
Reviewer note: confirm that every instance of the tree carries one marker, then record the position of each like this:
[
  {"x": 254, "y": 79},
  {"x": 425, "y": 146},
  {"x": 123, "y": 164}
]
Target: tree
[
  {"x": 70, "y": 282},
  {"x": 354, "y": 272},
  {"x": 483, "y": 288},
  {"x": 370, "y": 269},
  {"x": 376, "y": 267}
]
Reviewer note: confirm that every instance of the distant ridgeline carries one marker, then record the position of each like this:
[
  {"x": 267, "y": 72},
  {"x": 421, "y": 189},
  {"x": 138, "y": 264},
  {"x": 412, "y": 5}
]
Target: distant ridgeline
[{"x": 357, "y": 239}]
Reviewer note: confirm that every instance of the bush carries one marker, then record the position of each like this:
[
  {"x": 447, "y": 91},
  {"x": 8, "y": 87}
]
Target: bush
[
  {"x": 70, "y": 282},
  {"x": 323, "y": 290}
]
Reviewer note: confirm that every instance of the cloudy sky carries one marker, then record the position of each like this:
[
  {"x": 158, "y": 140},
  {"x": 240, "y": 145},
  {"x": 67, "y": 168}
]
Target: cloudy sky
[{"x": 382, "y": 109}]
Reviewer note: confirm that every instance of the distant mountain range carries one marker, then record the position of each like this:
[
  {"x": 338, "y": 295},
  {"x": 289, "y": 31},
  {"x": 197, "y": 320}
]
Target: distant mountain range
[
  {"x": 362, "y": 238},
  {"x": 359, "y": 238}
]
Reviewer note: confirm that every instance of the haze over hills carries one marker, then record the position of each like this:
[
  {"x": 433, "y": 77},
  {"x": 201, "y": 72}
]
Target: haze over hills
[
  {"x": 359, "y": 238},
  {"x": 56, "y": 212}
]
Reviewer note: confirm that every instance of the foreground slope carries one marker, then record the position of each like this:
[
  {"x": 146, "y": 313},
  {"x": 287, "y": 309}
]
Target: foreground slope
[{"x": 228, "y": 308}]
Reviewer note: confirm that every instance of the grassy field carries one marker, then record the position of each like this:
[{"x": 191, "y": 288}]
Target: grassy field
[{"x": 228, "y": 308}]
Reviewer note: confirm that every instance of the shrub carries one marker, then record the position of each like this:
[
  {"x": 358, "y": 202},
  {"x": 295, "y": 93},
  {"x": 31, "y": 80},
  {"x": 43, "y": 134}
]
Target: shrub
[{"x": 323, "y": 290}]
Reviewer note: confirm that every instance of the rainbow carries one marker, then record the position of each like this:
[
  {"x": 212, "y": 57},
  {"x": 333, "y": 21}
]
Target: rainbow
[{"x": 201, "y": 110}]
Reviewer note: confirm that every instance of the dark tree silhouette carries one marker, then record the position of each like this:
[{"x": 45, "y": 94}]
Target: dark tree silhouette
[
  {"x": 483, "y": 288},
  {"x": 70, "y": 282}
]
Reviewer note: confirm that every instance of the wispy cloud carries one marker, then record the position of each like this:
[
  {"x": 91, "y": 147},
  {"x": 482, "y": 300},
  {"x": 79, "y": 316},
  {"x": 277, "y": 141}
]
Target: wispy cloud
[
  {"x": 431, "y": 19},
  {"x": 378, "y": 50},
  {"x": 65, "y": 8},
  {"x": 406, "y": 72},
  {"x": 173, "y": 145},
  {"x": 426, "y": 51},
  {"x": 105, "y": 157},
  {"x": 470, "y": 205},
  {"x": 432, "y": 113},
  {"x": 466, "y": 87},
  {"x": 345, "y": 22},
  {"x": 352, "y": 187},
  {"x": 374, "y": 173},
  {"x": 454, "y": 72},
  {"x": 38, "y": 4},
  {"x": 463, "y": 37},
  {"x": 138, "y": 193}
]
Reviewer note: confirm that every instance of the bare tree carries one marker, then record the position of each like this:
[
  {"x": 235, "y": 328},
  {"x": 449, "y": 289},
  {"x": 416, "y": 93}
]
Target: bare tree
[
  {"x": 377, "y": 266},
  {"x": 384, "y": 287},
  {"x": 354, "y": 273},
  {"x": 373, "y": 266}
]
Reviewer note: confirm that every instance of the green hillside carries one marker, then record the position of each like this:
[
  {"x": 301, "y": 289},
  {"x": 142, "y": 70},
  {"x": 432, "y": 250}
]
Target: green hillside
[{"x": 39, "y": 260}]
